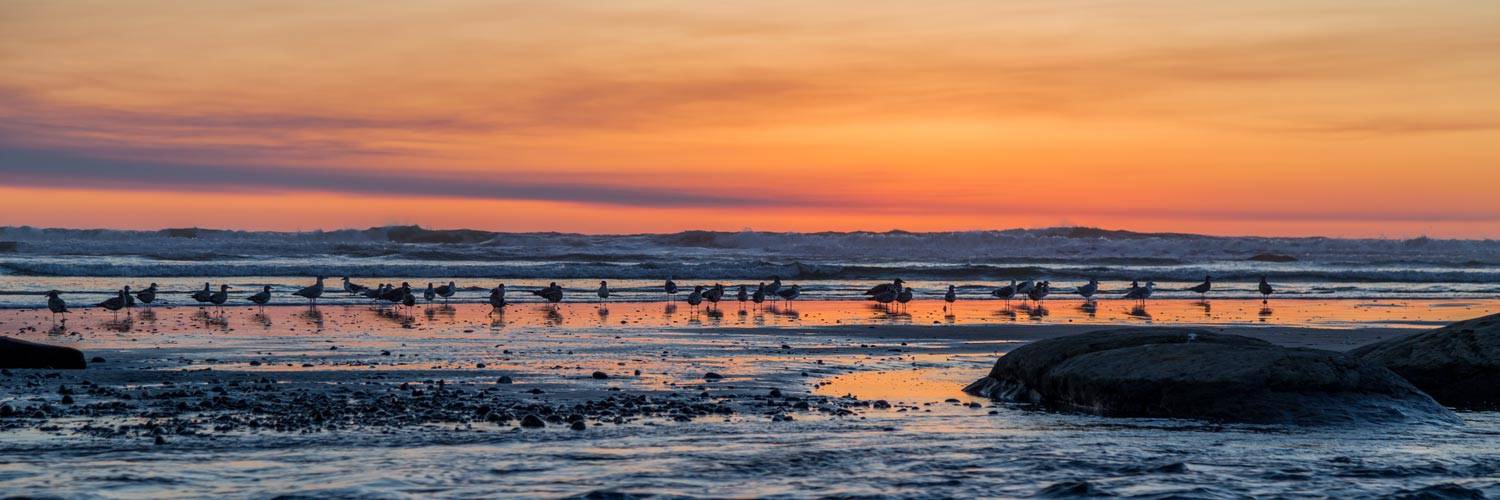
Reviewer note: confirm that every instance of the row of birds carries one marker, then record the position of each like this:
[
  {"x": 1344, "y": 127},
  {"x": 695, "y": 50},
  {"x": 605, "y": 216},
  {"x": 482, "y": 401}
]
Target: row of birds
[{"x": 887, "y": 293}]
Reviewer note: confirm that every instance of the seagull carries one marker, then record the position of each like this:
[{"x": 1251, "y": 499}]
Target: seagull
[
  {"x": 396, "y": 295},
  {"x": 904, "y": 296},
  {"x": 713, "y": 295},
  {"x": 1088, "y": 290},
  {"x": 1006, "y": 292},
  {"x": 790, "y": 294},
  {"x": 1025, "y": 288},
  {"x": 881, "y": 288},
  {"x": 263, "y": 297},
  {"x": 1203, "y": 288},
  {"x": 742, "y": 296},
  {"x": 603, "y": 291},
  {"x": 774, "y": 289},
  {"x": 446, "y": 291},
  {"x": 353, "y": 288},
  {"x": 671, "y": 288},
  {"x": 497, "y": 298},
  {"x": 1039, "y": 292},
  {"x": 885, "y": 297},
  {"x": 56, "y": 305},
  {"x": 220, "y": 297},
  {"x": 114, "y": 304},
  {"x": 148, "y": 295},
  {"x": 1140, "y": 294},
  {"x": 202, "y": 295},
  {"x": 552, "y": 293},
  {"x": 375, "y": 293},
  {"x": 429, "y": 294},
  {"x": 1265, "y": 290},
  {"x": 407, "y": 299},
  {"x": 312, "y": 293},
  {"x": 760, "y": 294},
  {"x": 696, "y": 297},
  {"x": 951, "y": 296}
]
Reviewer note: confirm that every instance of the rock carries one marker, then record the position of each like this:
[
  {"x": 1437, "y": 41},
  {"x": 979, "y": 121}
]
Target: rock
[
  {"x": 532, "y": 421},
  {"x": 160, "y": 440},
  {"x": 504, "y": 379},
  {"x": 712, "y": 376},
  {"x": 1273, "y": 257},
  {"x": 601, "y": 375},
  {"x": 775, "y": 393},
  {"x": 1198, "y": 374},
  {"x": 1458, "y": 365},
  {"x": 97, "y": 359},
  {"x": 578, "y": 425},
  {"x": 6, "y": 411},
  {"x": 22, "y": 354}
]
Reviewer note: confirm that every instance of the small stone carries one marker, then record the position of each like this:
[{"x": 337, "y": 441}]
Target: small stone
[
  {"x": 504, "y": 379},
  {"x": 254, "y": 362},
  {"x": 881, "y": 404},
  {"x": 578, "y": 425},
  {"x": 775, "y": 393},
  {"x": 333, "y": 348},
  {"x": 67, "y": 399},
  {"x": 532, "y": 421},
  {"x": 97, "y": 359},
  {"x": 385, "y": 353},
  {"x": 712, "y": 376},
  {"x": 601, "y": 375}
]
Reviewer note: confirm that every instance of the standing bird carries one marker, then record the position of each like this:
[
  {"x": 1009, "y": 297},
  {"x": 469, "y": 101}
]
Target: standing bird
[
  {"x": 353, "y": 288},
  {"x": 714, "y": 295},
  {"x": 1140, "y": 294},
  {"x": 260, "y": 299},
  {"x": 497, "y": 298},
  {"x": 1203, "y": 288},
  {"x": 407, "y": 299},
  {"x": 1024, "y": 289},
  {"x": 1039, "y": 292},
  {"x": 56, "y": 305},
  {"x": 553, "y": 293},
  {"x": 116, "y": 303},
  {"x": 220, "y": 297},
  {"x": 148, "y": 295},
  {"x": 671, "y": 288},
  {"x": 603, "y": 291},
  {"x": 774, "y": 289},
  {"x": 202, "y": 295},
  {"x": 1265, "y": 290},
  {"x": 742, "y": 296},
  {"x": 312, "y": 293},
  {"x": 129, "y": 299},
  {"x": 696, "y": 297},
  {"x": 885, "y": 297},
  {"x": 883, "y": 287},
  {"x": 950, "y": 297},
  {"x": 904, "y": 296},
  {"x": 1089, "y": 289},
  {"x": 790, "y": 294},
  {"x": 446, "y": 291},
  {"x": 1006, "y": 292},
  {"x": 430, "y": 293},
  {"x": 759, "y": 296}
]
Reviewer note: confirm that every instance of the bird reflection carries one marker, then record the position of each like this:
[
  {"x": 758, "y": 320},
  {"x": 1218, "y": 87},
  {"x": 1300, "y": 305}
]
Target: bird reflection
[
  {"x": 1006, "y": 313},
  {"x": 1208, "y": 309},
  {"x": 1140, "y": 311},
  {"x": 1037, "y": 312},
  {"x": 1090, "y": 307},
  {"x": 119, "y": 325},
  {"x": 262, "y": 319},
  {"x": 313, "y": 316},
  {"x": 1265, "y": 312},
  {"x": 553, "y": 315},
  {"x": 148, "y": 315},
  {"x": 58, "y": 329}
]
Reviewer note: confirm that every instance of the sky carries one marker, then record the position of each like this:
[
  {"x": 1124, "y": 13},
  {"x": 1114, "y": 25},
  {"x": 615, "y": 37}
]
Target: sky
[{"x": 1363, "y": 118}]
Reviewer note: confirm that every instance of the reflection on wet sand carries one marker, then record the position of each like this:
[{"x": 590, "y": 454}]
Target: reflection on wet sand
[{"x": 1140, "y": 312}]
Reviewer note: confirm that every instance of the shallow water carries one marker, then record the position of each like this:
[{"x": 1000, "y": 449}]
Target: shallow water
[{"x": 923, "y": 445}]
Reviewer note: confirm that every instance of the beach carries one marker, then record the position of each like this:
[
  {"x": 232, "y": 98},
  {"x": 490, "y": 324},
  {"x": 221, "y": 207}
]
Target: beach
[{"x": 816, "y": 398}]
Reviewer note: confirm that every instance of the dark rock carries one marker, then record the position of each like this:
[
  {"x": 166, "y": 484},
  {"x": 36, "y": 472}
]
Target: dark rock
[
  {"x": 578, "y": 425},
  {"x": 712, "y": 376},
  {"x": 22, "y": 354},
  {"x": 601, "y": 375},
  {"x": 532, "y": 421},
  {"x": 97, "y": 359},
  {"x": 504, "y": 379},
  {"x": 881, "y": 404},
  {"x": 1273, "y": 257},
  {"x": 1191, "y": 373},
  {"x": 775, "y": 393},
  {"x": 1458, "y": 365},
  {"x": 160, "y": 440}
]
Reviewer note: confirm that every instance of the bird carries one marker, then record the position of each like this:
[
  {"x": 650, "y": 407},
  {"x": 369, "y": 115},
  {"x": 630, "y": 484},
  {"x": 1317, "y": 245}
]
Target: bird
[
  {"x": 1039, "y": 291},
  {"x": 220, "y": 297},
  {"x": 790, "y": 294},
  {"x": 56, "y": 305},
  {"x": 742, "y": 296},
  {"x": 446, "y": 291},
  {"x": 116, "y": 303},
  {"x": 713, "y": 295},
  {"x": 760, "y": 294},
  {"x": 1202, "y": 288},
  {"x": 603, "y": 291},
  {"x": 129, "y": 299},
  {"x": 262, "y": 297},
  {"x": 696, "y": 297},
  {"x": 885, "y": 297},
  {"x": 881, "y": 288},
  {"x": 407, "y": 299},
  {"x": 1140, "y": 294},
  {"x": 904, "y": 296},
  {"x": 552, "y": 293},
  {"x": 352, "y": 288},
  {"x": 1265, "y": 290},
  {"x": 1089, "y": 289},
  {"x": 1025, "y": 288},
  {"x": 497, "y": 298},
  {"x": 774, "y": 289},
  {"x": 1006, "y": 292},
  {"x": 671, "y": 288},
  {"x": 202, "y": 295},
  {"x": 429, "y": 294},
  {"x": 312, "y": 293},
  {"x": 374, "y": 293},
  {"x": 148, "y": 295},
  {"x": 396, "y": 295},
  {"x": 950, "y": 297}
]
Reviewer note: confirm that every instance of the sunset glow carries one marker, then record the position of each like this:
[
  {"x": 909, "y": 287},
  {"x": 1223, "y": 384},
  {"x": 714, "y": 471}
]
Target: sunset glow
[{"x": 1274, "y": 118}]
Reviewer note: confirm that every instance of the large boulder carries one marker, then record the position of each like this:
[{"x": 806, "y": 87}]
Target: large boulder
[
  {"x": 1191, "y": 373},
  {"x": 22, "y": 354},
  {"x": 1459, "y": 364}
]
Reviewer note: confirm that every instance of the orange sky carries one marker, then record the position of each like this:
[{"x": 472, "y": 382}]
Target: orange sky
[{"x": 1368, "y": 118}]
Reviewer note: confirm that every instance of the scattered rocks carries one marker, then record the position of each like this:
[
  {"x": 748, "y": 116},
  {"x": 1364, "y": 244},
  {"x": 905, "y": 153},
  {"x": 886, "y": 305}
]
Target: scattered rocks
[
  {"x": 15, "y": 353},
  {"x": 1458, "y": 365},
  {"x": 1193, "y": 373}
]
